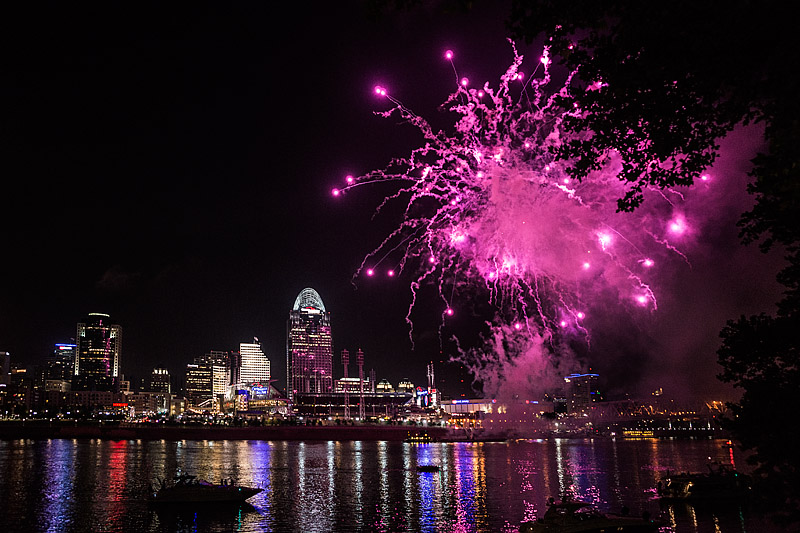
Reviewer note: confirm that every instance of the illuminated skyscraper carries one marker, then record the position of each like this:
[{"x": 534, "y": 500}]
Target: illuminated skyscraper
[
  {"x": 160, "y": 380},
  {"x": 61, "y": 364},
  {"x": 97, "y": 355},
  {"x": 199, "y": 385},
  {"x": 309, "y": 346},
  {"x": 255, "y": 365}
]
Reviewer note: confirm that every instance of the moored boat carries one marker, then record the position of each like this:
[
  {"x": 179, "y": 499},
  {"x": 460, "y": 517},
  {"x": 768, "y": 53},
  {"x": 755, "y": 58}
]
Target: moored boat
[
  {"x": 576, "y": 516},
  {"x": 720, "y": 482},
  {"x": 189, "y": 489}
]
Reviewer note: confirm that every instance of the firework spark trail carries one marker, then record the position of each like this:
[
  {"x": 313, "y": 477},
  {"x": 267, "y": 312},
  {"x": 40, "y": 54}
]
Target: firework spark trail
[{"x": 488, "y": 205}]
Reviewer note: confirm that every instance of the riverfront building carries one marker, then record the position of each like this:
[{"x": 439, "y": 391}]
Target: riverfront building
[
  {"x": 61, "y": 364},
  {"x": 98, "y": 354},
  {"x": 309, "y": 346},
  {"x": 255, "y": 367},
  {"x": 160, "y": 380}
]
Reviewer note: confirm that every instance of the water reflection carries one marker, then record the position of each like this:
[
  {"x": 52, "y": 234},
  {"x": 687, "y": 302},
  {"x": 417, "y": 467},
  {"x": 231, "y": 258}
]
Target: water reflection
[
  {"x": 92, "y": 485},
  {"x": 59, "y": 458}
]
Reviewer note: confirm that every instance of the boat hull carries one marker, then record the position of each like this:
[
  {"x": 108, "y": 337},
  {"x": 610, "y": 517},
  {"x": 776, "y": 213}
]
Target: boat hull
[{"x": 218, "y": 494}]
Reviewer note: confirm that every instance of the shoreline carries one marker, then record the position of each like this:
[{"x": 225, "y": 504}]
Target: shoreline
[
  {"x": 123, "y": 431},
  {"x": 12, "y": 430}
]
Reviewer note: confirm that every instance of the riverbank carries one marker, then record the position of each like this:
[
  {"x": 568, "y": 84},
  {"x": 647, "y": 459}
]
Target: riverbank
[{"x": 124, "y": 431}]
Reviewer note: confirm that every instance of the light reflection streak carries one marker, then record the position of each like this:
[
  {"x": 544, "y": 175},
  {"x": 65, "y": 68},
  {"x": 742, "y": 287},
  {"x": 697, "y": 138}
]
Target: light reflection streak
[
  {"x": 564, "y": 484},
  {"x": 465, "y": 484},
  {"x": 59, "y": 478},
  {"x": 359, "y": 474},
  {"x": 383, "y": 465},
  {"x": 427, "y": 491},
  {"x": 409, "y": 456},
  {"x": 118, "y": 464},
  {"x": 331, "y": 446}
]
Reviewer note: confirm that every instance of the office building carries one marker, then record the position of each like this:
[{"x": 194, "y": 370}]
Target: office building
[
  {"x": 199, "y": 386},
  {"x": 255, "y": 366},
  {"x": 581, "y": 392},
  {"x": 98, "y": 354},
  {"x": 160, "y": 380},
  {"x": 309, "y": 346},
  {"x": 5, "y": 367},
  {"x": 61, "y": 363}
]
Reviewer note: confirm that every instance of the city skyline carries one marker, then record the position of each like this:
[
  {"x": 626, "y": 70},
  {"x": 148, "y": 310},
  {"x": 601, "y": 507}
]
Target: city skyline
[{"x": 179, "y": 180}]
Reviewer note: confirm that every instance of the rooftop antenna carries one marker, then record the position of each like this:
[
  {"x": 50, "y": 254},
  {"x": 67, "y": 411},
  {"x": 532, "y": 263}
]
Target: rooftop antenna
[{"x": 360, "y": 361}]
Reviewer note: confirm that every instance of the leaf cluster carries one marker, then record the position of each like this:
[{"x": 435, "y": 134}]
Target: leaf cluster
[{"x": 659, "y": 83}]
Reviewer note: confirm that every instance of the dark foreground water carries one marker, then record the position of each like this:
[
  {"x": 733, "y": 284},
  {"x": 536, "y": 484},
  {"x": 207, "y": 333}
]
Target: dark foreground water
[{"x": 99, "y": 485}]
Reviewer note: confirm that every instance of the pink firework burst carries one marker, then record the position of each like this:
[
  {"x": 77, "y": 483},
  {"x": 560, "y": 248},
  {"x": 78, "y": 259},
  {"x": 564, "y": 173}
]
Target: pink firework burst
[{"x": 487, "y": 206}]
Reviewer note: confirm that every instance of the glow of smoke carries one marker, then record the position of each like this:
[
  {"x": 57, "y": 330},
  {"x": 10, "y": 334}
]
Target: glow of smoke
[
  {"x": 677, "y": 226},
  {"x": 470, "y": 194}
]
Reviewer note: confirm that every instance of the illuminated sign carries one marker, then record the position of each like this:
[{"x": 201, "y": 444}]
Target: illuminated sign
[
  {"x": 460, "y": 401},
  {"x": 119, "y": 405}
]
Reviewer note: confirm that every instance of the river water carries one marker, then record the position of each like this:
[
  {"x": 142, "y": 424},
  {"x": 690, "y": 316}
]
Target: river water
[{"x": 102, "y": 485}]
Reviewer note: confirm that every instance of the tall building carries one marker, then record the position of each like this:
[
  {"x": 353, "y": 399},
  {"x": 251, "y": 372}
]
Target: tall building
[
  {"x": 234, "y": 365},
  {"x": 581, "y": 391},
  {"x": 199, "y": 386},
  {"x": 5, "y": 367},
  {"x": 160, "y": 380},
  {"x": 61, "y": 364},
  {"x": 98, "y": 353},
  {"x": 309, "y": 346},
  {"x": 254, "y": 364}
]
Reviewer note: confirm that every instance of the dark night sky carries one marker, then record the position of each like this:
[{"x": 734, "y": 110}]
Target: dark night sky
[{"x": 171, "y": 166}]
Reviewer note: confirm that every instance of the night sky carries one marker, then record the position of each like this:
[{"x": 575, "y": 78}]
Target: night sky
[{"x": 172, "y": 166}]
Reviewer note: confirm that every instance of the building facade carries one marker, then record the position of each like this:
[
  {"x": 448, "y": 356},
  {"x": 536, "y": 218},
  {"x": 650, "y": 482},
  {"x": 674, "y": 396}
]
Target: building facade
[
  {"x": 160, "y": 380},
  {"x": 97, "y": 354},
  {"x": 255, "y": 367},
  {"x": 5, "y": 368},
  {"x": 61, "y": 364},
  {"x": 199, "y": 386},
  {"x": 309, "y": 346}
]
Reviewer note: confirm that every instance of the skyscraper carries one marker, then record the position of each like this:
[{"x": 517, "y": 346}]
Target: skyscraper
[
  {"x": 160, "y": 380},
  {"x": 97, "y": 355},
  {"x": 61, "y": 364},
  {"x": 199, "y": 385},
  {"x": 254, "y": 364},
  {"x": 309, "y": 346},
  {"x": 5, "y": 367}
]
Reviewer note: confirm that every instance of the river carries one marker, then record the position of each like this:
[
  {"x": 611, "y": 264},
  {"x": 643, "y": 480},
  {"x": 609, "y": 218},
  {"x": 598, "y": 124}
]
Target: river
[{"x": 93, "y": 485}]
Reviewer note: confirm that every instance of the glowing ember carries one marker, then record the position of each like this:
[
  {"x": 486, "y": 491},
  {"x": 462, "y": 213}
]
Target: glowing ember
[{"x": 677, "y": 226}]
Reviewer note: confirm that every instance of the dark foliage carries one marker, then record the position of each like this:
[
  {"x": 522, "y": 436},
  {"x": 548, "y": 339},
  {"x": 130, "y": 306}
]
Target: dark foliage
[{"x": 675, "y": 77}]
